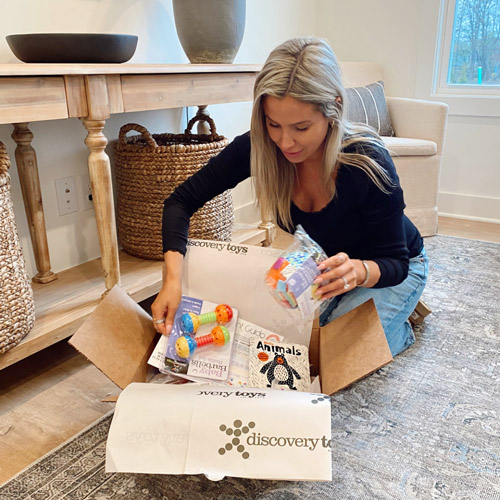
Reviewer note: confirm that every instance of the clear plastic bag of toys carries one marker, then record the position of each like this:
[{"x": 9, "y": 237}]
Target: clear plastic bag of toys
[{"x": 290, "y": 278}]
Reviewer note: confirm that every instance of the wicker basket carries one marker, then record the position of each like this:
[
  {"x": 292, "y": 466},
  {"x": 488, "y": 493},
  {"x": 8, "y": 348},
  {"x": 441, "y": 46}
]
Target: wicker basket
[
  {"x": 148, "y": 168},
  {"x": 17, "y": 308}
]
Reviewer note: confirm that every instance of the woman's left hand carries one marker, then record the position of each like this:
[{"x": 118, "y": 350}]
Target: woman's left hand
[{"x": 339, "y": 278}]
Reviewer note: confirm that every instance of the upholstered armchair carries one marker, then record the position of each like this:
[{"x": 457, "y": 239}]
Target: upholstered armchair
[{"x": 417, "y": 144}]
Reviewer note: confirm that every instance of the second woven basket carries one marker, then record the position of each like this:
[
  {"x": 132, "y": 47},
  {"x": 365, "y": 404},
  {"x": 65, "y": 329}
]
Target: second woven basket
[
  {"x": 148, "y": 169},
  {"x": 17, "y": 306}
]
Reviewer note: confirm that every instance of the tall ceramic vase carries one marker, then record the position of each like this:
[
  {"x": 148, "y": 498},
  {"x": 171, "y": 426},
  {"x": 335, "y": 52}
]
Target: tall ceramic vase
[{"x": 210, "y": 31}]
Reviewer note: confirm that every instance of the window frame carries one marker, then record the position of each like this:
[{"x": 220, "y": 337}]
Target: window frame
[
  {"x": 446, "y": 33},
  {"x": 436, "y": 28}
]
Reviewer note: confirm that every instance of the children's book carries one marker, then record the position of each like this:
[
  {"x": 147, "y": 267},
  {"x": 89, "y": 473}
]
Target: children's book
[
  {"x": 278, "y": 365},
  {"x": 244, "y": 335},
  {"x": 199, "y": 346}
]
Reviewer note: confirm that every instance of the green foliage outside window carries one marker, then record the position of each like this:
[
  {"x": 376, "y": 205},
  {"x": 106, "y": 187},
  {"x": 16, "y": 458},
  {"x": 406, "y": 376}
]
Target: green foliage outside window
[{"x": 475, "y": 49}]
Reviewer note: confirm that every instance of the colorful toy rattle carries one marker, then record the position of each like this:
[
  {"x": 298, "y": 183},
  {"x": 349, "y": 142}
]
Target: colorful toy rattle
[
  {"x": 190, "y": 322},
  {"x": 185, "y": 346}
]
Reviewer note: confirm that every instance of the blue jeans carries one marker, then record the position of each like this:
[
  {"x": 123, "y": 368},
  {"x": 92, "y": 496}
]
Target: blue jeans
[{"x": 394, "y": 304}]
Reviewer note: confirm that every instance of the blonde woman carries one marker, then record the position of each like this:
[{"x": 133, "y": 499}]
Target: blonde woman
[{"x": 312, "y": 167}]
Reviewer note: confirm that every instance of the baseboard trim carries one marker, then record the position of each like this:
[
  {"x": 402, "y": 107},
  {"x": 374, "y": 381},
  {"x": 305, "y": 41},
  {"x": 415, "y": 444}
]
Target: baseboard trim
[
  {"x": 469, "y": 207},
  {"x": 471, "y": 218}
]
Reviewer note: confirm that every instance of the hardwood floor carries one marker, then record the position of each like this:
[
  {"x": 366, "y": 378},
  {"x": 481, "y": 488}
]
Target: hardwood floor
[
  {"x": 475, "y": 230},
  {"x": 51, "y": 395}
]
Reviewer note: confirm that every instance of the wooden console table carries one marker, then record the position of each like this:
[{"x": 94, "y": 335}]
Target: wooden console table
[{"x": 92, "y": 93}]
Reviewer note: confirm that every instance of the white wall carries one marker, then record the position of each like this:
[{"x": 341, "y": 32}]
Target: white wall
[
  {"x": 59, "y": 144},
  {"x": 382, "y": 31},
  {"x": 401, "y": 35}
]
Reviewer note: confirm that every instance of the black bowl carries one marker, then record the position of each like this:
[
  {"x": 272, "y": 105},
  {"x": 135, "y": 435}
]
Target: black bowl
[{"x": 72, "y": 47}]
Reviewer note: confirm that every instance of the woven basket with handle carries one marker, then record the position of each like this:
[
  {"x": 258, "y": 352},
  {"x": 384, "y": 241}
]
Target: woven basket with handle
[
  {"x": 148, "y": 168},
  {"x": 17, "y": 307}
]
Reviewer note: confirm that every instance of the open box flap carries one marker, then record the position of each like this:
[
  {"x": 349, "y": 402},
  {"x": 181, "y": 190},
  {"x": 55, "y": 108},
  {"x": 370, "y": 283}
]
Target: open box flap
[
  {"x": 117, "y": 338},
  {"x": 351, "y": 347}
]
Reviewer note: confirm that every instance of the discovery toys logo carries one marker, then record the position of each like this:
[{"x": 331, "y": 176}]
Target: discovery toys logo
[
  {"x": 241, "y": 439},
  {"x": 237, "y": 433},
  {"x": 230, "y": 247}
]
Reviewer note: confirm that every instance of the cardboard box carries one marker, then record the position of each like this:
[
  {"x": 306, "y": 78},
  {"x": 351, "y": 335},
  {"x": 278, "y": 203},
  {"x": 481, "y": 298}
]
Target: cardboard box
[{"x": 118, "y": 338}]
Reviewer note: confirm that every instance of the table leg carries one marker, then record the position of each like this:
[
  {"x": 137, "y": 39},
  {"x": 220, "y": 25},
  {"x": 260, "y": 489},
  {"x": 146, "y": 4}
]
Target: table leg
[
  {"x": 27, "y": 167},
  {"x": 203, "y": 127},
  {"x": 102, "y": 196},
  {"x": 270, "y": 229}
]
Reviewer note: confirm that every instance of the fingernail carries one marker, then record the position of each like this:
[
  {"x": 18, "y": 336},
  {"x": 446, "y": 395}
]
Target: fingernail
[
  {"x": 321, "y": 266},
  {"x": 168, "y": 329}
]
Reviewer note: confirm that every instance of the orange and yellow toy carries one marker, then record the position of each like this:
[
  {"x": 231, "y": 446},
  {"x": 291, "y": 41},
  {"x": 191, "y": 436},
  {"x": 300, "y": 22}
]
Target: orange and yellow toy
[
  {"x": 190, "y": 322},
  {"x": 185, "y": 346}
]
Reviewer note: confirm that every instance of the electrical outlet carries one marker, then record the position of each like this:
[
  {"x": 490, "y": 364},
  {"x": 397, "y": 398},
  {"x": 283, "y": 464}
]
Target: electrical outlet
[
  {"x": 86, "y": 192},
  {"x": 66, "y": 195}
]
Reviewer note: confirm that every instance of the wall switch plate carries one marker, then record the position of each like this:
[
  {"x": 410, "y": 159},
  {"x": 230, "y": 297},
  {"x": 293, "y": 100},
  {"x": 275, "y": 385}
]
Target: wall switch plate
[
  {"x": 86, "y": 192},
  {"x": 66, "y": 195}
]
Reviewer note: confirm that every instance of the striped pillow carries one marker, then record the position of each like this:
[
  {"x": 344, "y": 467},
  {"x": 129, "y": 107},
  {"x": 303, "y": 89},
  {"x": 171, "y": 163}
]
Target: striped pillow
[{"x": 367, "y": 105}]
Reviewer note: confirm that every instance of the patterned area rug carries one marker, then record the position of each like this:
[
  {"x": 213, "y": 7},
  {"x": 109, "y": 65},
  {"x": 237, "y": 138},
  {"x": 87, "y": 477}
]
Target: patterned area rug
[{"x": 426, "y": 426}]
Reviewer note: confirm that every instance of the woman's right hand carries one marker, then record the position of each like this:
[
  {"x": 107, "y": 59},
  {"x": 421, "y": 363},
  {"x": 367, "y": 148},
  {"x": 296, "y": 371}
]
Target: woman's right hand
[
  {"x": 165, "y": 306},
  {"x": 168, "y": 299}
]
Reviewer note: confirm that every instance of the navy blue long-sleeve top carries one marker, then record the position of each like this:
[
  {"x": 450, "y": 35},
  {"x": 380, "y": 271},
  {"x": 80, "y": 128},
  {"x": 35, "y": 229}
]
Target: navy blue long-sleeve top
[{"x": 361, "y": 220}]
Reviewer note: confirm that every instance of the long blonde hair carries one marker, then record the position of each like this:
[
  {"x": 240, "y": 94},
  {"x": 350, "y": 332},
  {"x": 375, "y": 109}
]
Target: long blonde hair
[{"x": 306, "y": 69}]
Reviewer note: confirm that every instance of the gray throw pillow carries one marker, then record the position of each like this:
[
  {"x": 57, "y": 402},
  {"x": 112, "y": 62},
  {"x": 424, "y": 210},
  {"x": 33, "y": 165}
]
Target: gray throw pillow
[{"x": 367, "y": 105}]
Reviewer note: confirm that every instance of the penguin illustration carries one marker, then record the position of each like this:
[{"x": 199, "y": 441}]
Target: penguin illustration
[{"x": 280, "y": 371}]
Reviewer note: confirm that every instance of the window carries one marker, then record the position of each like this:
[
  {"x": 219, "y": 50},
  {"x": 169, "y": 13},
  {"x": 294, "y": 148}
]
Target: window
[
  {"x": 470, "y": 50},
  {"x": 437, "y": 59},
  {"x": 474, "y": 54}
]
